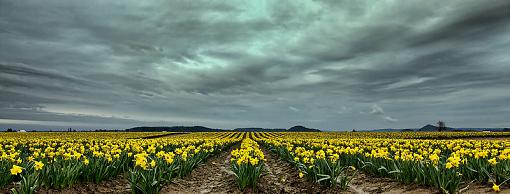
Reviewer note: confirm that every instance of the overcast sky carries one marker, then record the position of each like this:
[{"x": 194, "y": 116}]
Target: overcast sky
[{"x": 225, "y": 64}]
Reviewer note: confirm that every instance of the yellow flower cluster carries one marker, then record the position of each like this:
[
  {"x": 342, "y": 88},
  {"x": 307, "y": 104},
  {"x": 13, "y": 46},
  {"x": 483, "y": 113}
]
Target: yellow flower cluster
[
  {"x": 141, "y": 160},
  {"x": 38, "y": 165},
  {"x": 249, "y": 153},
  {"x": 15, "y": 170}
]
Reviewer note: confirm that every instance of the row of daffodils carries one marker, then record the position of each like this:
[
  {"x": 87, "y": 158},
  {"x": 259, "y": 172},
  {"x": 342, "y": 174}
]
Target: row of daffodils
[
  {"x": 148, "y": 164},
  {"x": 394, "y": 135},
  {"x": 247, "y": 163},
  {"x": 448, "y": 165}
]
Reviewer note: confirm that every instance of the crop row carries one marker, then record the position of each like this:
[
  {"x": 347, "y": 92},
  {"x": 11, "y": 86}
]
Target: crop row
[
  {"x": 247, "y": 163},
  {"x": 443, "y": 164}
]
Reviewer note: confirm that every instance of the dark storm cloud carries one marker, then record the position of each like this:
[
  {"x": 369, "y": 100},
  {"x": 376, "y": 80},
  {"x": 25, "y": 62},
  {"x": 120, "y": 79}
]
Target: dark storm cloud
[
  {"x": 476, "y": 23},
  {"x": 325, "y": 64}
]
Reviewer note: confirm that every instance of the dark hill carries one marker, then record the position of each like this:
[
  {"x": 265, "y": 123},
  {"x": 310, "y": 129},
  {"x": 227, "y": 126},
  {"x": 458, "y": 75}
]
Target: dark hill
[
  {"x": 433, "y": 128},
  {"x": 302, "y": 129},
  {"x": 206, "y": 129},
  {"x": 292, "y": 129},
  {"x": 175, "y": 129},
  {"x": 257, "y": 130}
]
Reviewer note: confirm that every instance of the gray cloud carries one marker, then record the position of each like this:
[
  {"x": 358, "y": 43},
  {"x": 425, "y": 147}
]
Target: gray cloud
[
  {"x": 235, "y": 63},
  {"x": 376, "y": 110}
]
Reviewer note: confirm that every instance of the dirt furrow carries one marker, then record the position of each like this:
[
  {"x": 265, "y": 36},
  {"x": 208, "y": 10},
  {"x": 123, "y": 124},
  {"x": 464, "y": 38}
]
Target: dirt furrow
[
  {"x": 282, "y": 177},
  {"x": 118, "y": 185},
  {"x": 363, "y": 183},
  {"x": 214, "y": 176}
]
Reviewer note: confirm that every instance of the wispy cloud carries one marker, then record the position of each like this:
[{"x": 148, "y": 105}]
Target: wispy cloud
[
  {"x": 376, "y": 110},
  {"x": 390, "y": 119},
  {"x": 293, "y": 109}
]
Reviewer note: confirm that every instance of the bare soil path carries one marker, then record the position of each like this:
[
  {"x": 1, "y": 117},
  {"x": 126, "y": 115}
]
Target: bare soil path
[
  {"x": 213, "y": 176},
  {"x": 363, "y": 183},
  {"x": 117, "y": 185}
]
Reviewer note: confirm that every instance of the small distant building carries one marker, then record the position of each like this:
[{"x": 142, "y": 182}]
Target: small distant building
[{"x": 22, "y": 131}]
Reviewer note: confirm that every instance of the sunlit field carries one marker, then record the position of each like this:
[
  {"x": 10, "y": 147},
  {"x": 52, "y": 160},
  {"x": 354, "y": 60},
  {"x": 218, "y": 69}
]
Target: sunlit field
[{"x": 428, "y": 162}]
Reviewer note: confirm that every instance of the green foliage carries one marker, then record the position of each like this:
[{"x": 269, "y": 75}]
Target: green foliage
[
  {"x": 324, "y": 172},
  {"x": 328, "y": 173},
  {"x": 61, "y": 173},
  {"x": 100, "y": 169},
  {"x": 247, "y": 174},
  {"x": 186, "y": 166},
  {"x": 5, "y": 175},
  {"x": 152, "y": 179},
  {"x": 28, "y": 185},
  {"x": 146, "y": 181}
]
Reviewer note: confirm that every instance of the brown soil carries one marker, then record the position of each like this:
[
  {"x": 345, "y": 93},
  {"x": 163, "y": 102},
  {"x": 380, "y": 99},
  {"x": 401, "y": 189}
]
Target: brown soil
[
  {"x": 117, "y": 185},
  {"x": 363, "y": 183},
  {"x": 214, "y": 176},
  {"x": 478, "y": 188},
  {"x": 7, "y": 188}
]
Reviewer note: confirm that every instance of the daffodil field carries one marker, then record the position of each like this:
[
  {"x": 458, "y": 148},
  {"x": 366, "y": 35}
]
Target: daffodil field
[
  {"x": 448, "y": 161},
  {"x": 59, "y": 160},
  {"x": 447, "y": 165}
]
